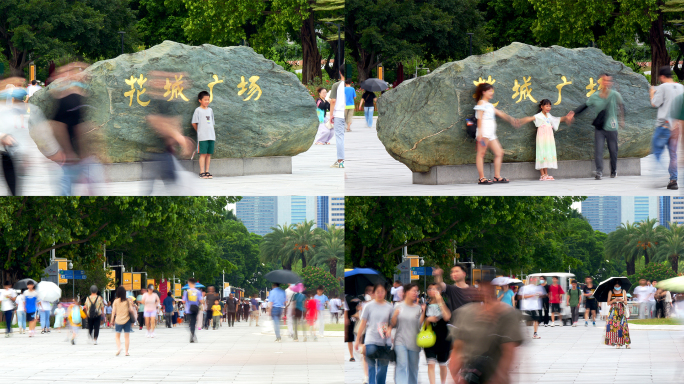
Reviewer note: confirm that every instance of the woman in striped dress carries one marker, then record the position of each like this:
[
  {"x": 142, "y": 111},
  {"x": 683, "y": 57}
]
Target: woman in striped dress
[{"x": 617, "y": 330}]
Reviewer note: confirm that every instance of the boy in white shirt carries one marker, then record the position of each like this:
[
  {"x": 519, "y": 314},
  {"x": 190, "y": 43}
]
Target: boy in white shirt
[{"x": 203, "y": 122}]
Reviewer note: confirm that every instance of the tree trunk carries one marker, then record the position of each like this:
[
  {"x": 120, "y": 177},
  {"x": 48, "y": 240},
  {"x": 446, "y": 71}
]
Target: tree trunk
[
  {"x": 674, "y": 262},
  {"x": 303, "y": 260},
  {"x": 365, "y": 64},
  {"x": 630, "y": 267},
  {"x": 333, "y": 267},
  {"x": 287, "y": 266},
  {"x": 659, "y": 55},
  {"x": 647, "y": 258},
  {"x": 311, "y": 62}
]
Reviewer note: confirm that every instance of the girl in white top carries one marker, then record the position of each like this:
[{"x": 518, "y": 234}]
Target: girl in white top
[
  {"x": 546, "y": 144},
  {"x": 486, "y": 133}
]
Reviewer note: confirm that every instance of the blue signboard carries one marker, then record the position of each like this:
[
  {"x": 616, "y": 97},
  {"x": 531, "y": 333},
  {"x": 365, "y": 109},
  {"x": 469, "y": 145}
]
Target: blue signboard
[{"x": 422, "y": 271}]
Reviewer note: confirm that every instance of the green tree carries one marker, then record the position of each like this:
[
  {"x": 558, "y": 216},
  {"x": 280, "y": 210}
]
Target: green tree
[
  {"x": 671, "y": 246},
  {"x": 509, "y": 21},
  {"x": 304, "y": 241},
  {"x": 276, "y": 247},
  {"x": 572, "y": 23},
  {"x": 389, "y": 31},
  {"x": 585, "y": 244},
  {"x": 330, "y": 253},
  {"x": 160, "y": 20},
  {"x": 653, "y": 271},
  {"x": 647, "y": 236},
  {"x": 40, "y": 30},
  {"x": 622, "y": 244},
  {"x": 314, "y": 277}
]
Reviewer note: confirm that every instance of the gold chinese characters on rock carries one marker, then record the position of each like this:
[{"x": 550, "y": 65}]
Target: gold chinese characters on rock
[
  {"x": 174, "y": 88},
  {"x": 482, "y": 81}
]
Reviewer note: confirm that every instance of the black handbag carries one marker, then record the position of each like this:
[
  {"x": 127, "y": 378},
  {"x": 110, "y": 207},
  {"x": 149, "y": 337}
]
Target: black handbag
[
  {"x": 383, "y": 353},
  {"x": 600, "y": 120}
]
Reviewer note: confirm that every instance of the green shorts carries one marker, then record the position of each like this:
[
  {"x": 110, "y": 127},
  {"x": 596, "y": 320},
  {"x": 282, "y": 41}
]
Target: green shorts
[{"x": 206, "y": 147}]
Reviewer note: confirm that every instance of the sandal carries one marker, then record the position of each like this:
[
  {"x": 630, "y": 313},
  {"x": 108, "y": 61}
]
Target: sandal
[
  {"x": 352, "y": 359},
  {"x": 208, "y": 175},
  {"x": 542, "y": 178},
  {"x": 484, "y": 181},
  {"x": 549, "y": 177},
  {"x": 501, "y": 180},
  {"x": 202, "y": 176}
]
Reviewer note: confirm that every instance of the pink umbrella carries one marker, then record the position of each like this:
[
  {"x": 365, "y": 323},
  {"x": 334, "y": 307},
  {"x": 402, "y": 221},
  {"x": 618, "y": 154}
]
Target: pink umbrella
[{"x": 299, "y": 287}]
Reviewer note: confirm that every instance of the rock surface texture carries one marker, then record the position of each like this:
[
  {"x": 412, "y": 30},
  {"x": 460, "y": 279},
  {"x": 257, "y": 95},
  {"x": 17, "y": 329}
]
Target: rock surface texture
[
  {"x": 422, "y": 122},
  {"x": 259, "y": 108}
]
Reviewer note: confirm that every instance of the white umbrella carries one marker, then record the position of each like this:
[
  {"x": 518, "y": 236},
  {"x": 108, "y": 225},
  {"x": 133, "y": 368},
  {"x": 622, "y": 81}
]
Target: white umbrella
[
  {"x": 503, "y": 280},
  {"x": 48, "y": 291}
]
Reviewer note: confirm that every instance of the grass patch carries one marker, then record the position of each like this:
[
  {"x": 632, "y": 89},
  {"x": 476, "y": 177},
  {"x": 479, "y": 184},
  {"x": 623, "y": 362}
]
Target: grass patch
[
  {"x": 328, "y": 327},
  {"x": 669, "y": 321}
]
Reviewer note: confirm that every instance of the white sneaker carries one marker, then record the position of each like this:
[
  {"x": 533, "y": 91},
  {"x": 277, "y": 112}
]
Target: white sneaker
[
  {"x": 574, "y": 324},
  {"x": 553, "y": 324},
  {"x": 147, "y": 334},
  {"x": 152, "y": 334},
  {"x": 95, "y": 343}
]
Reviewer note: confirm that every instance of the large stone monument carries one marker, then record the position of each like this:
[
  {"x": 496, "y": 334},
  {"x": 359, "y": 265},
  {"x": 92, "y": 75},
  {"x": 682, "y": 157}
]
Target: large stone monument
[
  {"x": 422, "y": 122},
  {"x": 263, "y": 114}
]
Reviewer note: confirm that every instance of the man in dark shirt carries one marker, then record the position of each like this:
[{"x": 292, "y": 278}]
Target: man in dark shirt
[
  {"x": 231, "y": 304},
  {"x": 168, "y": 309},
  {"x": 211, "y": 297},
  {"x": 459, "y": 293},
  {"x": 590, "y": 304},
  {"x": 545, "y": 301}
]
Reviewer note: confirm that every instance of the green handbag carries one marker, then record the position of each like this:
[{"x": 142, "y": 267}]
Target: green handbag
[{"x": 426, "y": 337}]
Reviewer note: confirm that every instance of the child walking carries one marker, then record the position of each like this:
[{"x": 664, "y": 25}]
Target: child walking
[
  {"x": 76, "y": 316},
  {"x": 486, "y": 133},
  {"x": 546, "y": 144},
  {"x": 59, "y": 317},
  {"x": 216, "y": 315},
  {"x": 203, "y": 122}
]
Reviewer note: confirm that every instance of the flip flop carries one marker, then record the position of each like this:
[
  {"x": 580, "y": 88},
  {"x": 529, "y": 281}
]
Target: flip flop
[{"x": 352, "y": 359}]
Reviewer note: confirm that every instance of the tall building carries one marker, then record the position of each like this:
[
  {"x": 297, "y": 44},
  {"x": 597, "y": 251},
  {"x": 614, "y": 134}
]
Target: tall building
[
  {"x": 603, "y": 212},
  {"x": 258, "y": 213},
  {"x": 638, "y": 208},
  {"x": 664, "y": 211},
  {"x": 322, "y": 213},
  {"x": 337, "y": 211},
  {"x": 677, "y": 209},
  {"x": 296, "y": 209}
]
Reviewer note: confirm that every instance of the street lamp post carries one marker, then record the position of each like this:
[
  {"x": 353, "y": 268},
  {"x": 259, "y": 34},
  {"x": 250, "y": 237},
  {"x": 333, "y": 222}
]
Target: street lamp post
[
  {"x": 122, "y": 33},
  {"x": 470, "y": 38}
]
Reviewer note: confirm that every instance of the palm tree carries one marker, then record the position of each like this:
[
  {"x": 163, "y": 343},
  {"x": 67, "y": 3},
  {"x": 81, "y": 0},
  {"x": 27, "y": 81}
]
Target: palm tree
[
  {"x": 275, "y": 246},
  {"x": 331, "y": 251},
  {"x": 622, "y": 242},
  {"x": 303, "y": 240},
  {"x": 672, "y": 245},
  {"x": 647, "y": 237}
]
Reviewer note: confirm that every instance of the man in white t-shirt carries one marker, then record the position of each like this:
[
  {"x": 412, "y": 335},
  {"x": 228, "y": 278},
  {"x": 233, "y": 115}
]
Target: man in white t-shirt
[
  {"x": 642, "y": 293},
  {"x": 397, "y": 292},
  {"x": 289, "y": 309},
  {"x": 45, "y": 311},
  {"x": 7, "y": 298},
  {"x": 651, "y": 299},
  {"x": 335, "y": 305},
  {"x": 32, "y": 88},
  {"x": 531, "y": 302},
  {"x": 338, "y": 104}
]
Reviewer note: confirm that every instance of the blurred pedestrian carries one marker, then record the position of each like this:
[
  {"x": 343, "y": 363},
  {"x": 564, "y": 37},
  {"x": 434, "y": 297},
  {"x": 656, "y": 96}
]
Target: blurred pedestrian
[
  {"x": 407, "y": 319},
  {"x": 108, "y": 312},
  {"x": 289, "y": 309},
  {"x": 298, "y": 316},
  {"x": 457, "y": 294},
  {"x": 666, "y": 132},
  {"x": 216, "y": 314},
  {"x": 231, "y": 309},
  {"x": 337, "y": 108},
  {"x": 254, "y": 313},
  {"x": 438, "y": 315},
  {"x": 150, "y": 302},
  {"x": 211, "y": 296},
  {"x": 59, "y": 317},
  {"x": 573, "y": 301},
  {"x": 311, "y": 316},
  {"x": 324, "y": 133},
  {"x": 642, "y": 293},
  {"x": 485, "y": 337},
  {"x": 192, "y": 299},
  {"x": 545, "y": 301},
  {"x": 368, "y": 104},
  {"x": 507, "y": 296},
  {"x": 168, "y": 309},
  {"x": 277, "y": 303},
  {"x": 531, "y": 302},
  {"x": 617, "y": 329},
  {"x": 31, "y": 296},
  {"x": 322, "y": 301},
  {"x": 350, "y": 101},
  {"x": 7, "y": 303},
  {"x": 590, "y": 303},
  {"x": 375, "y": 325},
  {"x": 94, "y": 306},
  {"x": 335, "y": 308},
  {"x": 75, "y": 315},
  {"x": 609, "y": 107},
  {"x": 556, "y": 293},
  {"x": 397, "y": 292},
  {"x": 45, "y": 308},
  {"x": 20, "y": 301},
  {"x": 123, "y": 316}
]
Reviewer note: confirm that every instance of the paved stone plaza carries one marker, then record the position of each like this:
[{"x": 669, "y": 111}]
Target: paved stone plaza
[
  {"x": 370, "y": 170},
  {"x": 241, "y": 354},
  {"x": 311, "y": 175},
  {"x": 566, "y": 355}
]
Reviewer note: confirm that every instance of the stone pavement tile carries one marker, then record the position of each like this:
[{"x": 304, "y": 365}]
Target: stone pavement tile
[{"x": 370, "y": 171}]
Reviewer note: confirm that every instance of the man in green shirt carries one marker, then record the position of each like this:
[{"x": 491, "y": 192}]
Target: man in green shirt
[
  {"x": 573, "y": 301},
  {"x": 610, "y": 101}
]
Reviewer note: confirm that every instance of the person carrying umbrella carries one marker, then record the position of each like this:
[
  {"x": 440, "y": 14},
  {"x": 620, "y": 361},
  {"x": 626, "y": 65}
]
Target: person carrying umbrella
[
  {"x": 368, "y": 103},
  {"x": 614, "y": 292}
]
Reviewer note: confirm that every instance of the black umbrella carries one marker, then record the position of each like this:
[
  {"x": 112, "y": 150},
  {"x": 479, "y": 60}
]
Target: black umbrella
[
  {"x": 374, "y": 85},
  {"x": 601, "y": 292},
  {"x": 23, "y": 284},
  {"x": 283, "y": 276},
  {"x": 356, "y": 280}
]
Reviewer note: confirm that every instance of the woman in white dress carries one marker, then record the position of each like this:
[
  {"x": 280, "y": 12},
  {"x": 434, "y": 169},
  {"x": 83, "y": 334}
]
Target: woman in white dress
[{"x": 486, "y": 133}]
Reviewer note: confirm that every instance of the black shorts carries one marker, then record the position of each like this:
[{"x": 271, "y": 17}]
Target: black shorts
[
  {"x": 438, "y": 355},
  {"x": 349, "y": 333},
  {"x": 534, "y": 315},
  {"x": 591, "y": 305},
  {"x": 30, "y": 316},
  {"x": 555, "y": 308}
]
